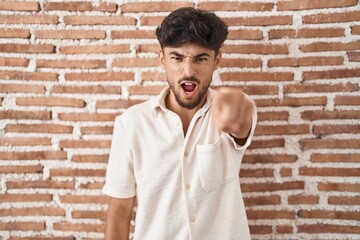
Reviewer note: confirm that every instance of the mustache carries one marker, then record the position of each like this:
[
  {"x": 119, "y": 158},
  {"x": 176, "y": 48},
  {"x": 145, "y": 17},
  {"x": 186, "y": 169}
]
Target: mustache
[{"x": 192, "y": 78}]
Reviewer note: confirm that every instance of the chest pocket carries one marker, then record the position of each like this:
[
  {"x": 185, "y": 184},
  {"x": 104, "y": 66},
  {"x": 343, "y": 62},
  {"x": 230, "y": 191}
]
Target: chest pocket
[{"x": 215, "y": 165}]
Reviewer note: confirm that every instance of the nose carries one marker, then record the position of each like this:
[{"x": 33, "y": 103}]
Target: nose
[{"x": 189, "y": 69}]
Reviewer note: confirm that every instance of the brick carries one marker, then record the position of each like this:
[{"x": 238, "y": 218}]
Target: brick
[
  {"x": 153, "y": 6},
  {"x": 40, "y": 184},
  {"x": 284, "y": 229},
  {"x": 14, "y": 33},
  {"x": 27, "y": 48},
  {"x": 271, "y": 116},
  {"x": 315, "y": 88},
  {"x": 339, "y": 172},
  {"x": 273, "y": 143},
  {"x": 245, "y": 34},
  {"x": 22, "y": 88},
  {"x": 151, "y": 20},
  {"x": 153, "y": 76},
  {"x": 281, "y": 129},
  {"x": 263, "y": 49},
  {"x": 88, "y": 49},
  {"x": 117, "y": 103},
  {"x": 342, "y": 114},
  {"x": 236, "y": 6},
  {"x": 285, "y": 172},
  {"x": 145, "y": 48},
  {"x": 25, "y": 198},
  {"x": 267, "y": 158},
  {"x": 20, "y": 170},
  {"x": 85, "y": 143},
  {"x": 309, "y": 4},
  {"x": 32, "y": 76},
  {"x": 306, "y": 33},
  {"x": 29, "y": 19},
  {"x": 259, "y": 21},
  {"x": 99, "y": 20},
  {"x": 347, "y": 16},
  {"x": 329, "y": 158},
  {"x": 262, "y": 200},
  {"x": 271, "y": 187},
  {"x": 347, "y": 100},
  {"x": 353, "y": 56},
  {"x": 96, "y": 130},
  {"x": 292, "y": 101},
  {"x": 95, "y": 185},
  {"x": 355, "y": 30},
  {"x": 80, "y": 6},
  {"x": 14, "y": 62},
  {"x": 34, "y": 211},
  {"x": 15, "y": 6},
  {"x": 329, "y": 46},
  {"x": 263, "y": 229},
  {"x": 257, "y": 76},
  {"x": 96, "y": 89},
  {"x": 47, "y": 237},
  {"x": 328, "y": 228},
  {"x": 259, "y": 90},
  {"x": 38, "y": 115},
  {"x": 132, "y": 34},
  {"x": 89, "y": 215},
  {"x": 307, "y": 144},
  {"x": 83, "y": 64},
  {"x": 253, "y": 214},
  {"x": 79, "y": 227},
  {"x": 256, "y": 173},
  {"x": 329, "y": 214},
  {"x": 305, "y": 61},
  {"x": 35, "y": 155},
  {"x": 91, "y": 158},
  {"x": 84, "y": 199},
  {"x": 331, "y": 74},
  {"x": 24, "y": 141},
  {"x": 344, "y": 200},
  {"x": 50, "y": 102},
  {"x": 100, "y": 76},
  {"x": 70, "y": 34},
  {"x": 97, "y": 117},
  {"x": 336, "y": 129},
  {"x": 39, "y": 128},
  {"x": 339, "y": 187},
  {"x": 136, "y": 62},
  {"x": 66, "y": 172},
  {"x": 240, "y": 63},
  {"x": 303, "y": 199},
  {"x": 22, "y": 226},
  {"x": 145, "y": 90}
]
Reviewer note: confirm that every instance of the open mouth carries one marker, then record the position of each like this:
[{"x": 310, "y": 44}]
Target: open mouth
[{"x": 189, "y": 88}]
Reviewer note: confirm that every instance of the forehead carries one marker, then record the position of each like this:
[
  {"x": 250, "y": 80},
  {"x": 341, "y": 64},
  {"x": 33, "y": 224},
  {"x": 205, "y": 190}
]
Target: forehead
[{"x": 189, "y": 49}]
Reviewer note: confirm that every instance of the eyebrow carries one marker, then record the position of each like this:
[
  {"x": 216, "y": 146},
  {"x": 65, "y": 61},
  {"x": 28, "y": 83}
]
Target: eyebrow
[{"x": 197, "y": 56}]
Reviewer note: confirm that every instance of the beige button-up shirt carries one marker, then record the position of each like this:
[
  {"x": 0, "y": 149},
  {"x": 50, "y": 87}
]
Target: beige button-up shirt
[{"x": 187, "y": 187}]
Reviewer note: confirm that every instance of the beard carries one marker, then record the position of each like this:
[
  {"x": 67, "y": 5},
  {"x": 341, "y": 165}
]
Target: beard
[{"x": 194, "y": 102}]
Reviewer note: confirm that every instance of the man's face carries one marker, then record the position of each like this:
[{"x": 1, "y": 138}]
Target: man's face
[{"x": 189, "y": 69}]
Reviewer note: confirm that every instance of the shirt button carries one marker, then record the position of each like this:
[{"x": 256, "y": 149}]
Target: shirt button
[
  {"x": 192, "y": 220},
  {"x": 187, "y": 186},
  {"x": 186, "y": 154}
]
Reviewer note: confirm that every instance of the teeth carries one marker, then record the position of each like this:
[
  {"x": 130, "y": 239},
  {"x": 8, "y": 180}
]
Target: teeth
[{"x": 188, "y": 84}]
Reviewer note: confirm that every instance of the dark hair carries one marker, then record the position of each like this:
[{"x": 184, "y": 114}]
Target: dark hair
[{"x": 189, "y": 25}]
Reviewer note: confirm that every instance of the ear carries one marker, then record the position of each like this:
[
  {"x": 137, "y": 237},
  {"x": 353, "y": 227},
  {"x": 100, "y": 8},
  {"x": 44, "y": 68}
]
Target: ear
[
  {"x": 218, "y": 59},
  {"x": 161, "y": 57}
]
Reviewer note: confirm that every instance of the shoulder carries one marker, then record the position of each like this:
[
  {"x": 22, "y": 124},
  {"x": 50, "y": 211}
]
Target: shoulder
[{"x": 136, "y": 113}]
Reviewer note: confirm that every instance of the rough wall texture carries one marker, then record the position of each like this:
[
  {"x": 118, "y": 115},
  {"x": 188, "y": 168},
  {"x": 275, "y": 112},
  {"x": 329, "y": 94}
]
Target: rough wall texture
[{"x": 68, "y": 68}]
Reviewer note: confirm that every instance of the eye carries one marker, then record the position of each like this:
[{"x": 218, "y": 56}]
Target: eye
[
  {"x": 176, "y": 58},
  {"x": 201, "y": 59}
]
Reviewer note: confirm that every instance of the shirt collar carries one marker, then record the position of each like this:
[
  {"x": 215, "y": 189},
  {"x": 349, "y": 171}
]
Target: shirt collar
[{"x": 158, "y": 103}]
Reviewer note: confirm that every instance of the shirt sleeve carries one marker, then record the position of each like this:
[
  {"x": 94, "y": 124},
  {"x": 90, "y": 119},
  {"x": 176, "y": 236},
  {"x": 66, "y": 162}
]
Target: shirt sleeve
[
  {"x": 120, "y": 178},
  {"x": 252, "y": 130}
]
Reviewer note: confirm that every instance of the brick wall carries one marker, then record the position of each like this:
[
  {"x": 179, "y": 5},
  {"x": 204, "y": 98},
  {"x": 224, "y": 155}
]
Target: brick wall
[{"x": 68, "y": 68}]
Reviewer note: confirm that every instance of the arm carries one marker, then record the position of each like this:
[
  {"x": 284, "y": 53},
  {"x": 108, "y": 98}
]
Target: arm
[{"x": 118, "y": 218}]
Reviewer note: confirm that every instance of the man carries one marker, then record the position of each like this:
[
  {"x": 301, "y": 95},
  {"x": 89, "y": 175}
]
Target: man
[{"x": 179, "y": 154}]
